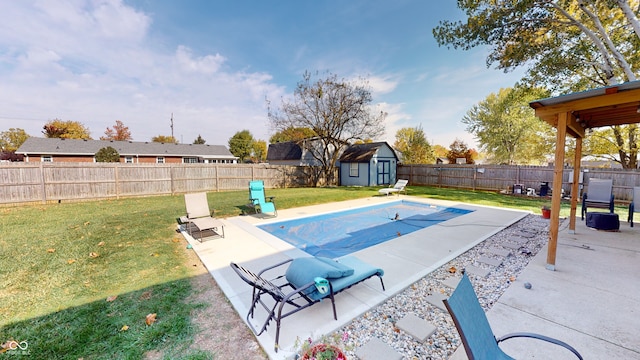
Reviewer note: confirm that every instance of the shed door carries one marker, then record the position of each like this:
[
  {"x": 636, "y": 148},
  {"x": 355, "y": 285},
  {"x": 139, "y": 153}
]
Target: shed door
[{"x": 384, "y": 172}]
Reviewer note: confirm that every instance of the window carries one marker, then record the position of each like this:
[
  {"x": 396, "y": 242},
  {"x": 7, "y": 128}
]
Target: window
[
  {"x": 353, "y": 169},
  {"x": 128, "y": 159},
  {"x": 189, "y": 160},
  {"x": 160, "y": 160},
  {"x": 46, "y": 158}
]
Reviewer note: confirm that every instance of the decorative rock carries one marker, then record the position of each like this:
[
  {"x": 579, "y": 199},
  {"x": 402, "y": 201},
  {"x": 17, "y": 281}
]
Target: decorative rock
[{"x": 527, "y": 285}]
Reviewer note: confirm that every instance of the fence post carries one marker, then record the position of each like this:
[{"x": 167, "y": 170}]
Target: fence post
[
  {"x": 43, "y": 186},
  {"x": 217, "y": 171},
  {"x": 117, "y": 178},
  {"x": 475, "y": 176}
]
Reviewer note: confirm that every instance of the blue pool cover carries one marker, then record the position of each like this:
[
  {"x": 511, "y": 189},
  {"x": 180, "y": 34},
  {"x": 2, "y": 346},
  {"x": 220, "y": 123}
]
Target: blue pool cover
[{"x": 341, "y": 233}]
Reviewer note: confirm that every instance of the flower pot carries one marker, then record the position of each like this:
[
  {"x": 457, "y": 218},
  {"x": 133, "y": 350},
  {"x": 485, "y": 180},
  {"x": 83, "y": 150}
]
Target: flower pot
[
  {"x": 323, "y": 351},
  {"x": 546, "y": 213}
]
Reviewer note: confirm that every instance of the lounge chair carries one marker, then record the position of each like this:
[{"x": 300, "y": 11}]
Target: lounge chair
[
  {"x": 397, "y": 188},
  {"x": 257, "y": 199},
  {"x": 306, "y": 281},
  {"x": 199, "y": 219},
  {"x": 634, "y": 205},
  {"x": 475, "y": 331},
  {"x": 599, "y": 195}
]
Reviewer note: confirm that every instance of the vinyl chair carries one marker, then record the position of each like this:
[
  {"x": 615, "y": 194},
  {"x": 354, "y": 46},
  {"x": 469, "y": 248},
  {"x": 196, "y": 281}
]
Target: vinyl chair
[
  {"x": 305, "y": 282},
  {"x": 258, "y": 201},
  {"x": 199, "y": 217},
  {"x": 474, "y": 329},
  {"x": 599, "y": 195},
  {"x": 399, "y": 187},
  {"x": 634, "y": 205}
]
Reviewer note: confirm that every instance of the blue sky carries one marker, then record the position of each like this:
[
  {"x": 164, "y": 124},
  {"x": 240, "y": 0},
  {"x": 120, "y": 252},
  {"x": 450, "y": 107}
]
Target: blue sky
[{"x": 213, "y": 63}]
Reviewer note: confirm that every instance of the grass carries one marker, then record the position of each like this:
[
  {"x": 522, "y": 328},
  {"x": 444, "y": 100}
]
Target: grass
[{"x": 60, "y": 263}]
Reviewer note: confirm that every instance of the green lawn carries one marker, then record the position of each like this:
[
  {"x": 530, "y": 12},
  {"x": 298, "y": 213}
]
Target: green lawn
[{"x": 60, "y": 263}]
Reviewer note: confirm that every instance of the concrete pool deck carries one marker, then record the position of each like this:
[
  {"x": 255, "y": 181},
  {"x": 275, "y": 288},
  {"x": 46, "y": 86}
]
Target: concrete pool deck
[{"x": 404, "y": 260}]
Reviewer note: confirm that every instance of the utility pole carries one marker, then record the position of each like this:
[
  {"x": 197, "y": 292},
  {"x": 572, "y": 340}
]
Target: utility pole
[{"x": 172, "y": 126}]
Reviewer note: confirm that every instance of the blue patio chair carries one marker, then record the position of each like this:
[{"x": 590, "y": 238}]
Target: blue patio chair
[
  {"x": 634, "y": 205},
  {"x": 599, "y": 195},
  {"x": 474, "y": 329},
  {"x": 258, "y": 201}
]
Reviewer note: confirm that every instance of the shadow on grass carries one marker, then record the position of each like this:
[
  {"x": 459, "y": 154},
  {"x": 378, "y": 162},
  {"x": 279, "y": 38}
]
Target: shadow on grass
[{"x": 113, "y": 329}]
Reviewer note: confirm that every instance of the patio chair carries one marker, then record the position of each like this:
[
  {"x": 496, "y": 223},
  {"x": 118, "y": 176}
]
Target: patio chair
[
  {"x": 397, "y": 188},
  {"x": 305, "y": 282},
  {"x": 257, "y": 199},
  {"x": 599, "y": 195},
  {"x": 199, "y": 219},
  {"x": 474, "y": 329},
  {"x": 634, "y": 205}
]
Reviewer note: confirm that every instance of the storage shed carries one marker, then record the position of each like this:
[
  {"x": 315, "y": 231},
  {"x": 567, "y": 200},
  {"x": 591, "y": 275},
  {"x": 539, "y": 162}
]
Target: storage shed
[{"x": 369, "y": 164}]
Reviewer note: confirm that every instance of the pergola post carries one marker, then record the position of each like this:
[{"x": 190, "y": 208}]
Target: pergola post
[
  {"x": 575, "y": 185},
  {"x": 556, "y": 195}
]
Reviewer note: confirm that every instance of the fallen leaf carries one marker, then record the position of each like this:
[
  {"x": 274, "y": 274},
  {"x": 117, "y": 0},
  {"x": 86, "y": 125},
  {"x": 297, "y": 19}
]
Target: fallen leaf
[
  {"x": 175, "y": 240},
  {"x": 512, "y": 279},
  {"x": 124, "y": 328},
  {"x": 51, "y": 250},
  {"x": 112, "y": 298},
  {"x": 398, "y": 233},
  {"x": 155, "y": 254},
  {"x": 453, "y": 269},
  {"x": 146, "y": 295},
  {"x": 71, "y": 261},
  {"x": 150, "y": 319},
  {"x": 101, "y": 243},
  {"x": 87, "y": 223},
  {"x": 93, "y": 254}
]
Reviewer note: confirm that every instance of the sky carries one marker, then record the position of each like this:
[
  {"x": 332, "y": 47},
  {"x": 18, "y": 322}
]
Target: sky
[{"x": 211, "y": 65}]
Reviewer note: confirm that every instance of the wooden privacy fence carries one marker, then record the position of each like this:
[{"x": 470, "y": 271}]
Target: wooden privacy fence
[
  {"x": 50, "y": 182},
  {"x": 504, "y": 177}
]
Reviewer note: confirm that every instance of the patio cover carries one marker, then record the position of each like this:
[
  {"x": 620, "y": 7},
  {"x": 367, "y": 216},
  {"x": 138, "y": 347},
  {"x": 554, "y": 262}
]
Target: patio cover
[{"x": 572, "y": 115}]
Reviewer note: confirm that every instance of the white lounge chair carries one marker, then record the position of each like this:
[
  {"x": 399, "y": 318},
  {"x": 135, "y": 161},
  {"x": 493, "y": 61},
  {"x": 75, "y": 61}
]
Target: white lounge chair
[
  {"x": 397, "y": 188},
  {"x": 199, "y": 218}
]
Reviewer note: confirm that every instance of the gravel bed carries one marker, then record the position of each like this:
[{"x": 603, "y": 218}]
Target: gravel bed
[{"x": 380, "y": 321}]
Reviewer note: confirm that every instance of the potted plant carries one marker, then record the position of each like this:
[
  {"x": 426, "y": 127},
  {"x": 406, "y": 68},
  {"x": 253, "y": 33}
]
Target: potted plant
[
  {"x": 546, "y": 211},
  {"x": 328, "y": 347}
]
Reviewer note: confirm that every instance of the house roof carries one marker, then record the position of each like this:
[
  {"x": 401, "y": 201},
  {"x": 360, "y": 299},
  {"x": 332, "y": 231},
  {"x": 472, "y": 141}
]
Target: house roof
[
  {"x": 289, "y": 150},
  {"x": 56, "y": 146},
  {"x": 362, "y": 152}
]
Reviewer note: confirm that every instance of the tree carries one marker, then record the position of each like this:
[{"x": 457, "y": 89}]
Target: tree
[
  {"x": 259, "y": 151},
  {"x": 119, "y": 132},
  {"x": 440, "y": 151},
  {"x": 241, "y": 145},
  {"x": 566, "y": 45},
  {"x": 507, "y": 129},
  {"x": 166, "y": 139},
  {"x": 107, "y": 154},
  {"x": 66, "y": 130},
  {"x": 11, "y": 139},
  {"x": 459, "y": 150},
  {"x": 338, "y": 111},
  {"x": 413, "y": 145},
  {"x": 199, "y": 140},
  {"x": 292, "y": 134}
]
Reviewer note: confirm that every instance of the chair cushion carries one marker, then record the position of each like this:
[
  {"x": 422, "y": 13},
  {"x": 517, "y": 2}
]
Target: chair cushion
[{"x": 304, "y": 270}]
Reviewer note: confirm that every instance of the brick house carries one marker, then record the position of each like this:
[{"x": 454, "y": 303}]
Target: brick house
[{"x": 37, "y": 149}]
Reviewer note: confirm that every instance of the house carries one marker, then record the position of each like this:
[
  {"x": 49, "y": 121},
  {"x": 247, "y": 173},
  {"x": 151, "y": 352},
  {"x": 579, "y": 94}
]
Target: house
[
  {"x": 37, "y": 149},
  {"x": 295, "y": 153},
  {"x": 368, "y": 164}
]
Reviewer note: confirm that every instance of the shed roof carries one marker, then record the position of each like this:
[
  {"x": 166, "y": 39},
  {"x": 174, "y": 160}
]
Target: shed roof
[
  {"x": 362, "y": 152},
  {"x": 53, "y": 146}
]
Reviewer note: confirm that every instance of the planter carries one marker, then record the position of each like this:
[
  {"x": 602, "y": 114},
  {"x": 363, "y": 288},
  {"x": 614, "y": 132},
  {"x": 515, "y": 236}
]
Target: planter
[
  {"x": 546, "y": 213},
  {"x": 323, "y": 352}
]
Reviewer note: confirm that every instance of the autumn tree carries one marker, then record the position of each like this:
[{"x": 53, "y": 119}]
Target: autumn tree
[
  {"x": 292, "y": 134},
  {"x": 11, "y": 139},
  {"x": 459, "y": 150},
  {"x": 118, "y": 132},
  {"x": 413, "y": 145},
  {"x": 66, "y": 130},
  {"x": 339, "y": 112},
  {"x": 565, "y": 45},
  {"x": 107, "y": 154},
  {"x": 507, "y": 129},
  {"x": 259, "y": 151},
  {"x": 241, "y": 145},
  {"x": 166, "y": 139},
  {"x": 199, "y": 140},
  {"x": 439, "y": 151}
]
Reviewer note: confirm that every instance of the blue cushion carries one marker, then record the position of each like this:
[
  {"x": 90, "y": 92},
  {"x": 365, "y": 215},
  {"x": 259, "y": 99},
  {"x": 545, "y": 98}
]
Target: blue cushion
[
  {"x": 344, "y": 269},
  {"x": 304, "y": 270}
]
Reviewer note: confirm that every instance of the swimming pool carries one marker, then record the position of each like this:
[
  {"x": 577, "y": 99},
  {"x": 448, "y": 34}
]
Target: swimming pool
[{"x": 340, "y": 233}]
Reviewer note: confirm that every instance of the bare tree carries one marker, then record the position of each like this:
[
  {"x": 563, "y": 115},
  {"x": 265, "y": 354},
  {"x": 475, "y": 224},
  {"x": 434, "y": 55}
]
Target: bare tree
[{"x": 338, "y": 111}]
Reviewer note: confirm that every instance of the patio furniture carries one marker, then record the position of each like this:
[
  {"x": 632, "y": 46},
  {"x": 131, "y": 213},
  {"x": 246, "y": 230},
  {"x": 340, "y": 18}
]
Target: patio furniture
[
  {"x": 634, "y": 205},
  {"x": 397, "y": 188},
  {"x": 199, "y": 219},
  {"x": 599, "y": 195},
  {"x": 475, "y": 331},
  {"x": 257, "y": 199},
  {"x": 305, "y": 282},
  {"x": 603, "y": 221}
]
